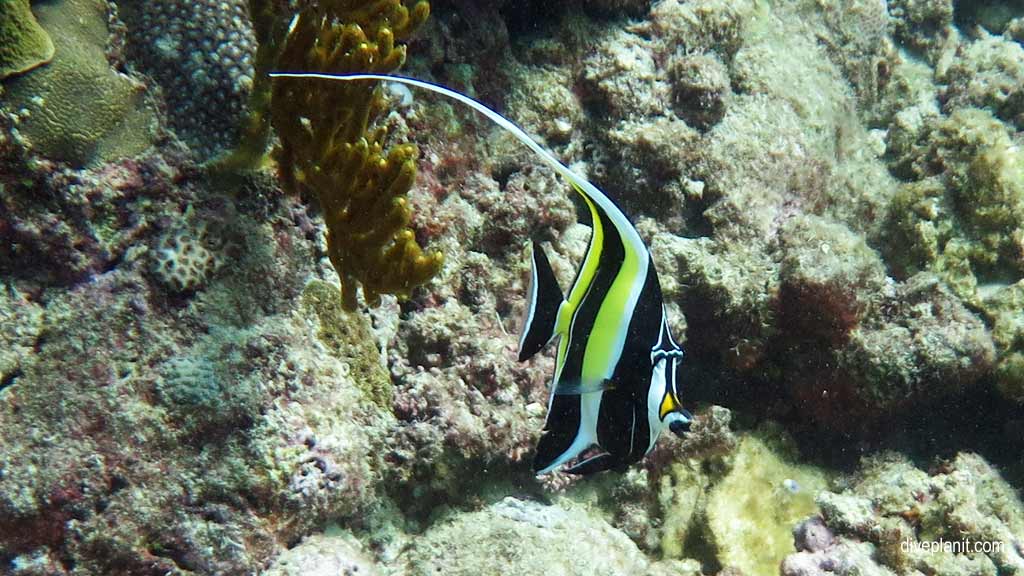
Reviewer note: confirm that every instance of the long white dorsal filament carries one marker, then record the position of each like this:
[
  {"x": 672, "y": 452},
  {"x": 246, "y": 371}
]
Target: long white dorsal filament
[{"x": 549, "y": 159}]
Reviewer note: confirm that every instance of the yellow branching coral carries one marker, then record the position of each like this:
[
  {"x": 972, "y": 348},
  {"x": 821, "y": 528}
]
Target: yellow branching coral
[{"x": 330, "y": 149}]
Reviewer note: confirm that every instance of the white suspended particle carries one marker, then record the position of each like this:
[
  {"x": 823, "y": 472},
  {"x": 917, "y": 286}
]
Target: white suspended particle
[{"x": 400, "y": 92}]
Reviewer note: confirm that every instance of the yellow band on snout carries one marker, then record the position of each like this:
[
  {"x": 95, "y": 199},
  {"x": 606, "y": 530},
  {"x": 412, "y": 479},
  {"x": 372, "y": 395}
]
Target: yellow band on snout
[{"x": 667, "y": 406}]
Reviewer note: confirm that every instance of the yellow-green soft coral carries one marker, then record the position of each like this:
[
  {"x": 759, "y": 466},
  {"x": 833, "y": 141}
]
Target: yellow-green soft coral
[
  {"x": 23, "y": 44},
  {"x": 331, "y": 149}
]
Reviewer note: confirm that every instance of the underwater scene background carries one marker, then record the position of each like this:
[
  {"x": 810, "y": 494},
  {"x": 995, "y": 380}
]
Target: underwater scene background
[{"x": 255, "y": 326}]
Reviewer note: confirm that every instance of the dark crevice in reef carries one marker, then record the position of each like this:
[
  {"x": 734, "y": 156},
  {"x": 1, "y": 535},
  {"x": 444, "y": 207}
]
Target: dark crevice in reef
[
  {"x": 978, "y": 420},
  {"x": 993, "y": 15},
  {"x": 530, "y": 17},
  {"x": 9, "y": 379}
]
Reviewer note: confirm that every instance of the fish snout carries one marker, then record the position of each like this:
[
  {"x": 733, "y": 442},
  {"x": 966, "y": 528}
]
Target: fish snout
[{"x": 680, "y": 423}]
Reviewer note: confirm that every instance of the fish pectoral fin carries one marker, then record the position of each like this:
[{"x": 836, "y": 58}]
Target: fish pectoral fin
[
  {"x": 595, "y": 464},
  {"x": 544, "y": 301},
  {"x": 577, "y": 387}
]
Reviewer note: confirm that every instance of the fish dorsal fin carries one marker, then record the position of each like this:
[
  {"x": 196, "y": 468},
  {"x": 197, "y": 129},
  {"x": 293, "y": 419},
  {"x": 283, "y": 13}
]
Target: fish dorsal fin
[
  {"x": 579, "y": 183},
  {"x": 543, "y": 300}
]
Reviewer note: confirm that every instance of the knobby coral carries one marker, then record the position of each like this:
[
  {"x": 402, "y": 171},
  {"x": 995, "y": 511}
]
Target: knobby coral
[
  {"x": 201, "y": 54},
  {"x": 332, "y": 150}
]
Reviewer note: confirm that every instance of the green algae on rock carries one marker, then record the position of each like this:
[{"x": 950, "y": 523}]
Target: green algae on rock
[
  {"x": 989, "y": 74},
  {"x": 924, "y": 26},
  {"x": 963, "y": 215},
  {"x": 1003, "y": 309},
  {"x": 79, "y": 109},
  {"x": 752, "y": 510},
  {"x": 347, "y": 336},
  {"x": 24, "y": 45}
]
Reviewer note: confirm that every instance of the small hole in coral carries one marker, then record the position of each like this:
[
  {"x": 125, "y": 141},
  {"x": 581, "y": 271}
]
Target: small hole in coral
[{"x": 9, "y": 379}]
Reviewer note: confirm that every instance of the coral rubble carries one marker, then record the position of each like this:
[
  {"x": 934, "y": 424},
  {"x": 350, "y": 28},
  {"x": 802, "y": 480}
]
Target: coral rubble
[{"x": 959, "y": 518}]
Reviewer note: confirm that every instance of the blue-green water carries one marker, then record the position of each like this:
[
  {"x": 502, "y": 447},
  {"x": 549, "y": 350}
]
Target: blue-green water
[{"x": 272, "y": 326}]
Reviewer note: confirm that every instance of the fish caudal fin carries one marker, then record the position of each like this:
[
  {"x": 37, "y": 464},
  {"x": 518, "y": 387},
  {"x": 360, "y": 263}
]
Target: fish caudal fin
[{"x": 544, "y": 299}]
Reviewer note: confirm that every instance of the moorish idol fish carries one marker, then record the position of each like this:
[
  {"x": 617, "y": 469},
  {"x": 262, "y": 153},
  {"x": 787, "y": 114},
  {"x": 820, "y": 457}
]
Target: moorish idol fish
[{"x": 616, "y": 383}]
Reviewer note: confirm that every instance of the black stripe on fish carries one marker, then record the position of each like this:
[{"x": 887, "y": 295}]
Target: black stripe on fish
[
  {"x": 623, "y": 428},
  {"x": 612, "y": 254}
]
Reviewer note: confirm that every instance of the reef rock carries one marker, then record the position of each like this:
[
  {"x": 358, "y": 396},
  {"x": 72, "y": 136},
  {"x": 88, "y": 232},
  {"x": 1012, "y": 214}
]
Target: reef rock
[
  {"x": 325, "y": 555},
  {"x": 961, "y": 517},
  {"x": 525, "y": 538}
]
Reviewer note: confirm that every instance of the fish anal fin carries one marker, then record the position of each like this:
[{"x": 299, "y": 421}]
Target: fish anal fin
[
  {"x": 543, "y": 302},
  {"x": 553, "y": 449}
]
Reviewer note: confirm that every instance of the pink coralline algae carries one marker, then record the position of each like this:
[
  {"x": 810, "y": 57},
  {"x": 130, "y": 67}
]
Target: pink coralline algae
[{"x": 88, "y": 220}]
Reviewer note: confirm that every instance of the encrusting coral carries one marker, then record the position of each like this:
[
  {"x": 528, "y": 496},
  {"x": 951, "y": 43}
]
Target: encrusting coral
[
  {"x": 331, "y": 149},
  {"x": 79, "y": 109},
  {"x": 23, "y": 43},
  {"x": 181, "y": 260}
]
